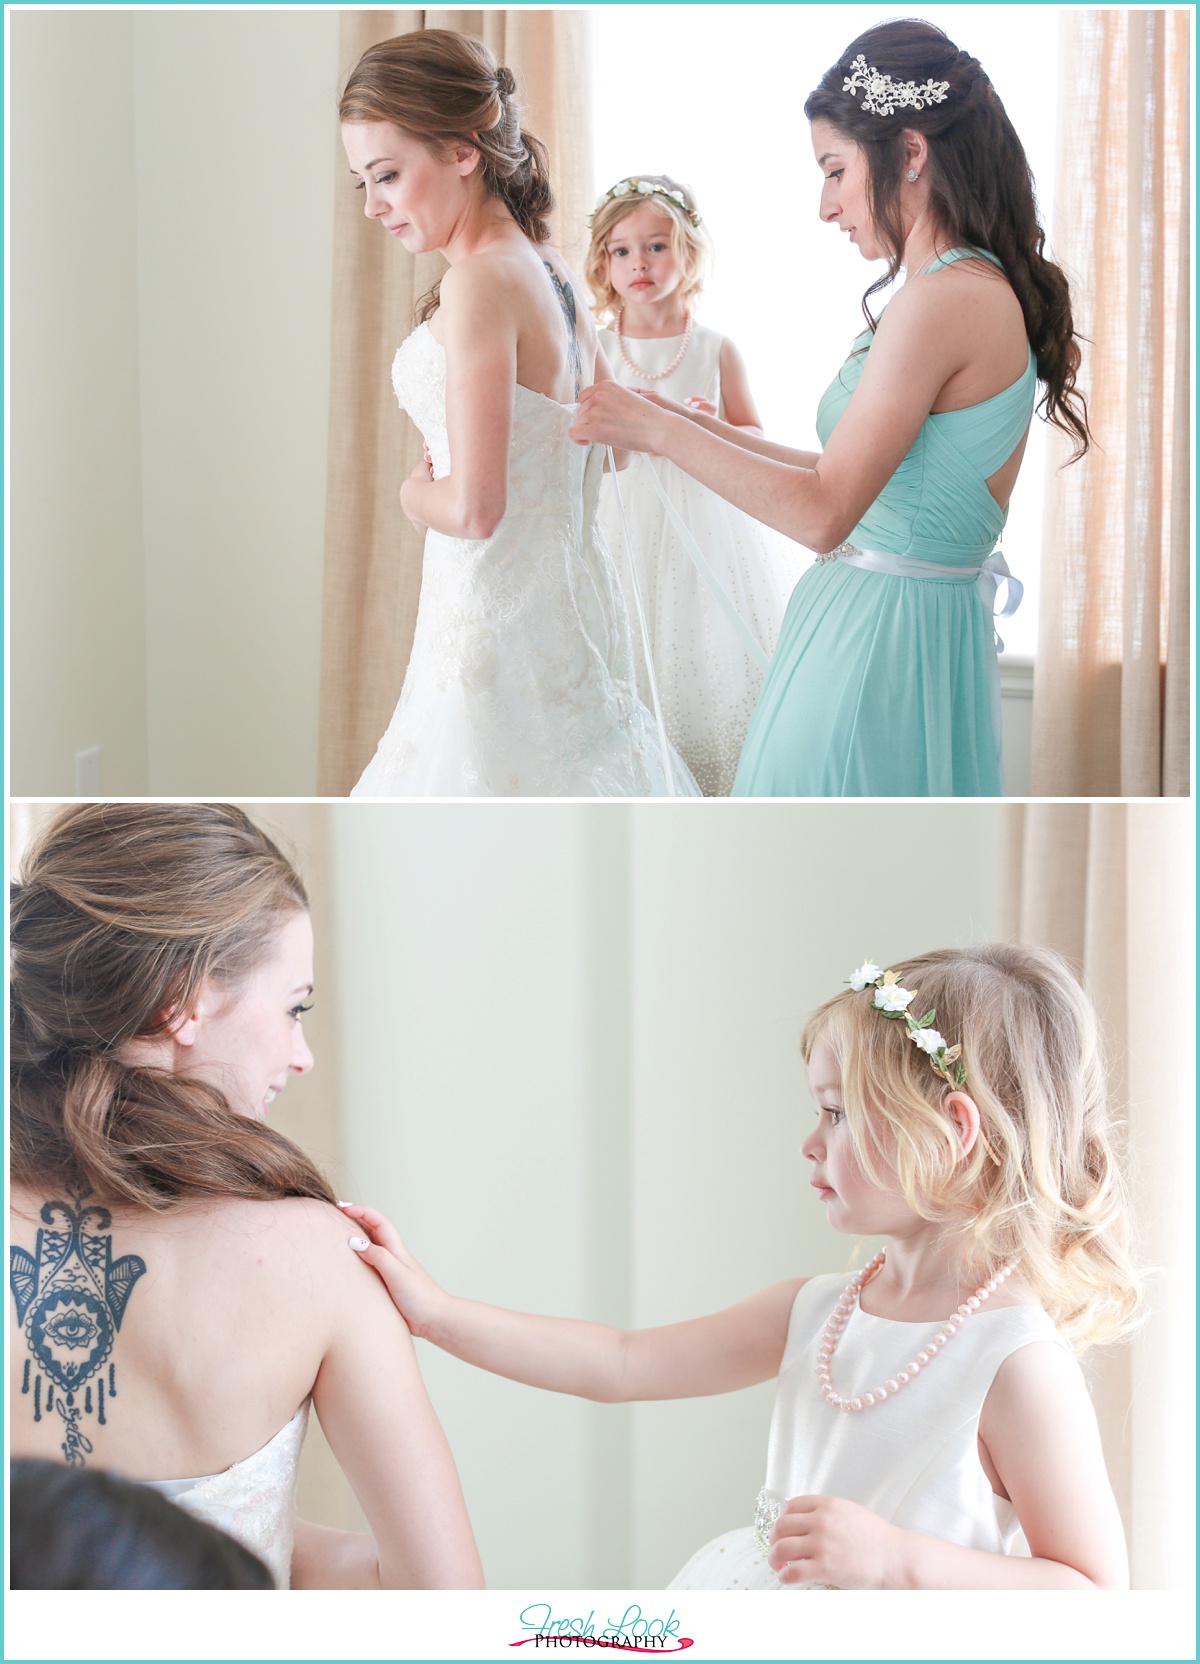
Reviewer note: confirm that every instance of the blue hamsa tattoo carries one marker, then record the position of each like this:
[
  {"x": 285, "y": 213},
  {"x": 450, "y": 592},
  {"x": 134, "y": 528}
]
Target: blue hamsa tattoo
[{"x": 71, "y": 1296}]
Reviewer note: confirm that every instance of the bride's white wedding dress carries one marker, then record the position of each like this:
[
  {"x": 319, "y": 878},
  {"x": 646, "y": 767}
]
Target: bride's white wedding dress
[
  {"x": 254, "y": 1500},
  {"x": 521, "y": 679}
]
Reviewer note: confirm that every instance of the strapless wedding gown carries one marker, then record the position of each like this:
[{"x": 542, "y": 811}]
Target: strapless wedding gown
[
  {"x": 521, "y": 679},
  {"x": 253, "y": 1501}
]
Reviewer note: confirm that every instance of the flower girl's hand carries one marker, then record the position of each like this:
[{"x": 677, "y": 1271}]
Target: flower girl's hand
[
  {"x": 703, "y": 407},
  {"x": 417, "y": 1297},
  {"x": 825, "y": 1539}
]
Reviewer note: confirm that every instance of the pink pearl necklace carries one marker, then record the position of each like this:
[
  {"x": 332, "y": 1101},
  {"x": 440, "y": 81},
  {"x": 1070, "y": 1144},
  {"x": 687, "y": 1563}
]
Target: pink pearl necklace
[
  {"x": 657, "y": 375},
  {"x": 840, "y": 1316}
]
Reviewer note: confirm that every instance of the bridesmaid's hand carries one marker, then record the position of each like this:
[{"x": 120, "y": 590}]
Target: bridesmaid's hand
[
  {"x": 414, "y": 1293},
  {"x": 702, "y": 407},
  {"x": 612, "y": 415}
]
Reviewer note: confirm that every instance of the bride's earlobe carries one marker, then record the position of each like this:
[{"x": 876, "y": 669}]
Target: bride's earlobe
[
  {"x": 181, "y": 1026},
  {"x": 466, "y": 158}
]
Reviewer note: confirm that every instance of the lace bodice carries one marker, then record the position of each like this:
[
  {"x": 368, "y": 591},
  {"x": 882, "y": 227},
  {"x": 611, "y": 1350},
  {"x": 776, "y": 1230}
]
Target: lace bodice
[
  {"x": 520, "y": 681},
  {"x": 254, "y": 1500}
]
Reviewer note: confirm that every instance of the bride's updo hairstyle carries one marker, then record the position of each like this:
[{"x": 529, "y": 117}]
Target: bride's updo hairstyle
[
  {"x": 445, "y": 88},
  {"x": 981, "y": 189},
  {"x": 121, "y": 912},
  {"x": 1042, "y": 1184}
]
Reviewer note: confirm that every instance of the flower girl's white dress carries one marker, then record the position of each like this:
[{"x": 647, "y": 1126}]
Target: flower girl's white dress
[
  {"x": 913, "y": 1459},
  {"x": 521, "y": 679},
  {"x": 707, "y": 681}
]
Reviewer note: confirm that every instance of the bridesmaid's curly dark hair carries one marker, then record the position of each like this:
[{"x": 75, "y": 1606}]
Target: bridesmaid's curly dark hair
[{"x": 981, "y": 189}]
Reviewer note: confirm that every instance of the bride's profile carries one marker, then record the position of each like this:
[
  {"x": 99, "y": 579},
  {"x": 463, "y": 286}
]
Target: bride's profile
[
  {"x": 521, "y": 679},
  {"x": 181, "y": 1288}
]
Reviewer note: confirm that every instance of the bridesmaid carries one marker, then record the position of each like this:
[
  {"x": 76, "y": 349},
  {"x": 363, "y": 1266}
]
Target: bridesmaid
[{"x": 885, "y": 682}]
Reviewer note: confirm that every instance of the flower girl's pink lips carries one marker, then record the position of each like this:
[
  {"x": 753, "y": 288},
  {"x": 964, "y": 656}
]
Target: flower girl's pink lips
[{"x": 822, "y": 1190}]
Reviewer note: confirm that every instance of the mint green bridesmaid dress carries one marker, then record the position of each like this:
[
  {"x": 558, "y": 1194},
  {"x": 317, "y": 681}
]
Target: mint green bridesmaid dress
[{"x": 887, "y": 685}]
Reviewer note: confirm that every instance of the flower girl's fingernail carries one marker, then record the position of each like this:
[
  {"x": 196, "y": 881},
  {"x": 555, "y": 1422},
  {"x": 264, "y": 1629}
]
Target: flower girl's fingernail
[
  {"x": 345, "y": 1204},
  {"x": 358, "y": 1243}
]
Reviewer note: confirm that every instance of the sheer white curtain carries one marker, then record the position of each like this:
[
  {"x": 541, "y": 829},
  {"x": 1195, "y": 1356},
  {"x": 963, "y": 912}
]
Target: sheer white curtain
[{"x": 1112, "y": 694}]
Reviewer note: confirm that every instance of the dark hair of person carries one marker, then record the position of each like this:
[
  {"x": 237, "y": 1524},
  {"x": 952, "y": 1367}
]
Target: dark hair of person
[
  {"x": 981, "y": 189},
  {"x": 121, "y": 912},
  {"x": 74, "y": 1528},
  {"x": 444, "y": 88}
]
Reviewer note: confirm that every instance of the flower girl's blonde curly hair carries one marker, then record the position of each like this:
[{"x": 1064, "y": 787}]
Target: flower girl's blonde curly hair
[
  {"x": 689, "y": 244},
  {"x": 1041, "y": 1184}
]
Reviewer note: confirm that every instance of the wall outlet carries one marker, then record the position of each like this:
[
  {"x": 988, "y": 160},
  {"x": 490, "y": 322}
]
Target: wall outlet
[{"x": 87, "y": 772}]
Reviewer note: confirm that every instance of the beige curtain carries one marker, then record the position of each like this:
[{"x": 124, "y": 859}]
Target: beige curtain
[
  {"x": 1111, "y": 887},
  {"x": 372, "y": 555},
  {"x": 1111, "y": 691}
]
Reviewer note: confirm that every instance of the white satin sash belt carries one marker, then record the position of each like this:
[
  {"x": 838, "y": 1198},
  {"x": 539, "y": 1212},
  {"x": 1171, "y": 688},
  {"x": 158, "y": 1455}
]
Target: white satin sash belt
[{"x": 987, "y": 578}]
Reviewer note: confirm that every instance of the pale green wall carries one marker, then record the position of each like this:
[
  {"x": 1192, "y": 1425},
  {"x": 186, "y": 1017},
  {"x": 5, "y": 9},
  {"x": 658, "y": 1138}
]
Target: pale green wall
[
  {"x": 570, "y": 1071},
  {"x": 172, "y": 222},
  {"x": 77, "y": 610},
  {"x": 235, "y": 178}
]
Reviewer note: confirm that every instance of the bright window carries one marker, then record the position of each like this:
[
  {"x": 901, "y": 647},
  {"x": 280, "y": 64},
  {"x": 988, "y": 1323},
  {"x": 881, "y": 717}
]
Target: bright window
[{"x": 714, "y": 95}]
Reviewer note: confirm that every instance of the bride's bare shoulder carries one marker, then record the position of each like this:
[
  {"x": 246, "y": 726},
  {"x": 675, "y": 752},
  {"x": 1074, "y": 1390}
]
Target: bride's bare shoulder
[{"x": 206, "y": 1227}]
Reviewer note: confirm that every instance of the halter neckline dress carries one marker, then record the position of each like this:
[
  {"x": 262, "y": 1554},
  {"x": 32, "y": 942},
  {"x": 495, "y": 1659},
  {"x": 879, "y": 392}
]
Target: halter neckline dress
[{"x": 886, "y": 684}]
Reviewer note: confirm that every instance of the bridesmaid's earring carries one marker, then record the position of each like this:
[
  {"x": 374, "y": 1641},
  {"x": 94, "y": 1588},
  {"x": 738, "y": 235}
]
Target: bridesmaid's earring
[{"x": 913, "y": 176}]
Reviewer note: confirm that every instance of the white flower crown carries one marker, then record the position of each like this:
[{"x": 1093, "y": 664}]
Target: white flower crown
[
  {"x": 891, "y": 1000},
  {"x": 883, "y": 97},
  {"x": 644, "y": 187}
]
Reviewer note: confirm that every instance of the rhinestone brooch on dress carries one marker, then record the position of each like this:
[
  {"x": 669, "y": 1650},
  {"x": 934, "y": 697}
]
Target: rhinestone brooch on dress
[{"x": 766, "y": 1512}]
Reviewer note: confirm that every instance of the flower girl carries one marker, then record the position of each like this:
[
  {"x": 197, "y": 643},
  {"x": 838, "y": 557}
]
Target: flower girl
[
  {"x": 645, "y": 269},
  {"x": 932, "y": 1428}
]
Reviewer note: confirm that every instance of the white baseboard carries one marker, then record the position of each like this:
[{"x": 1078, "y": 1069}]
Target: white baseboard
[{"x": 1016, "y": 704}]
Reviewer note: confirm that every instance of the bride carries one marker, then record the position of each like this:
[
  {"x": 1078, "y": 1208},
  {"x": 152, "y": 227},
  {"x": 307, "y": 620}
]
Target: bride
[
  {"x": 181, "y": 1287},
  {"x": 521, "y": 679}
]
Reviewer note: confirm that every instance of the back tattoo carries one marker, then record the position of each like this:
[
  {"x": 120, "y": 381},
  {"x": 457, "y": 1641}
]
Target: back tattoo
[
  {"x": 71, "y": 1296},
  {"x": 566, "y": 299}
]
